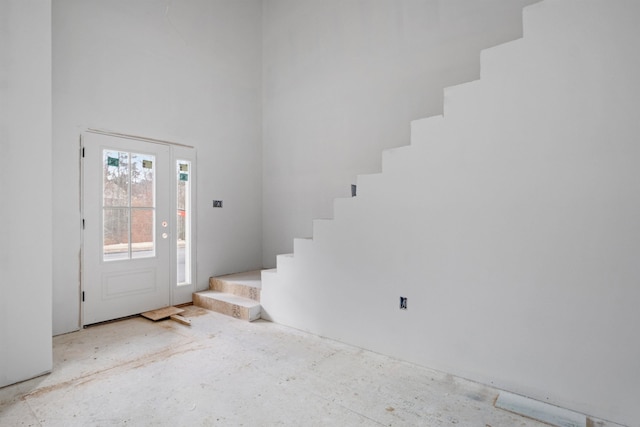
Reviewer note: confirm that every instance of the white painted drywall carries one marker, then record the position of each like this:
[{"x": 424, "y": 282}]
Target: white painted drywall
[
  {"x": 25, "y": 189},
  {"x": 187, "y": 71},
  {"x": 511, "y": 225},
  {"x": 343, "y": 79}
]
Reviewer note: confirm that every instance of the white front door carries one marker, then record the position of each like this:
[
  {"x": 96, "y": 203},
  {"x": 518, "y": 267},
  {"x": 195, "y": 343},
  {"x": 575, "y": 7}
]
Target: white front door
[{"x": 127, "y": 226}]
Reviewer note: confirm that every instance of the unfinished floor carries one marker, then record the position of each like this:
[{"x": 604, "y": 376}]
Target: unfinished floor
[{"x": 224, "y": 372}]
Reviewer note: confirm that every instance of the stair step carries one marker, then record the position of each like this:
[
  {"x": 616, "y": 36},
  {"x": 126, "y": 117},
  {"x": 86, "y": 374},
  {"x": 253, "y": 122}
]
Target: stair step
[
  {"x": 320, "y": 227},
  {"x": 245, "y": 285},
  {"x": 282, "y": 258},
  {"x": 284, "y": 263},
  {"x": 343, "y": 207},
  {"x": 394, "y": 159},
  {"x": 369, "y": 183},
  {"x": 229, "y": 304},
  {"x": 460, "y": 97},
  {"x": 268, "y": 272},
  {"x": 301, "y": 244},
  {"x": 426, "y": 131},
  {"x": 495, "y": 60}
]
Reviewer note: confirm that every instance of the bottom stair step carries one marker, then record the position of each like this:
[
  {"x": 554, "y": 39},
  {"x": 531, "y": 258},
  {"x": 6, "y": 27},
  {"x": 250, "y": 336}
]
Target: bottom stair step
[{"x": 229, "y": 304}]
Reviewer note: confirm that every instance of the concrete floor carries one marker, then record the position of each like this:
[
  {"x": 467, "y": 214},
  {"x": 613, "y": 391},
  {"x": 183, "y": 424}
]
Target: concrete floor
[{"x": 225, "y": 372}]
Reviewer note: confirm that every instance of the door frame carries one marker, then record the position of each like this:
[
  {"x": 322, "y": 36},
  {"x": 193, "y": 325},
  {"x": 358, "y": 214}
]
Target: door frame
[{"x": 179, "y": 294}]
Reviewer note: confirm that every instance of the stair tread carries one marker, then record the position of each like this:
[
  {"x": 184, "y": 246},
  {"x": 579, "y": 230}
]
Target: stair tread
[
  {"x": 249, "y": 278},
  {"x": 229, "y": 298}
]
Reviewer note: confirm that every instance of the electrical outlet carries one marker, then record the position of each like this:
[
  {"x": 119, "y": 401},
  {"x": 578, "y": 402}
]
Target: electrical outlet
[{"x": 403, "y": 303}]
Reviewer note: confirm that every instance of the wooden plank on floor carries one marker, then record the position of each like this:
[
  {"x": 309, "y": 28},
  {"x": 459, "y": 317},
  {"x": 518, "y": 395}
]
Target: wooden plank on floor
[
  {"x": 161, "y": 313},
  {"x": 181, "y": 319}
]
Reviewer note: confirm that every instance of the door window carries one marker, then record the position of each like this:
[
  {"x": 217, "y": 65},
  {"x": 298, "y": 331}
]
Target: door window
[
  {"x": 128, "y": 205},
  {"x": 183, "y": 223}
]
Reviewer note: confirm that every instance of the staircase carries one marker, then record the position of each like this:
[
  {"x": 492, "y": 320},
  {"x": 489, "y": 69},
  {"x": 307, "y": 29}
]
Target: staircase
[
  {"x": 509, "y": 225},
  {"x": 236, "y": 295}
]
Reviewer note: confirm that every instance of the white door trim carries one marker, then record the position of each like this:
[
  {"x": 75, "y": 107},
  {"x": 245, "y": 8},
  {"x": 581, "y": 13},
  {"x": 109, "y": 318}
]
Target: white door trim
[{"x": 136, "y": 137}]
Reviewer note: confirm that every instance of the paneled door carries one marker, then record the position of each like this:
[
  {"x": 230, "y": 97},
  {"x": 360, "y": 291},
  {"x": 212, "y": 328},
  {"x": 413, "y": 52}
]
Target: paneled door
[{"x": 128, "y": 226}]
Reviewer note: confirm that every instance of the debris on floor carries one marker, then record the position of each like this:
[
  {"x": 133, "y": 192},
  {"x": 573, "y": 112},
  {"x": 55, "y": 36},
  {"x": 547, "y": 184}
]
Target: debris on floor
[
  {"x": 172, "y": 313},
  {"x": 181, "y": 319}
]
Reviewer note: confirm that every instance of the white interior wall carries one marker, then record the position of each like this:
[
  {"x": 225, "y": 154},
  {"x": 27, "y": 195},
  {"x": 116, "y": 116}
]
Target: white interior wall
[
  {"x": 343, "y": 79},
  {"x": 187, "y": 71},
  {"x": 25, "y": 189},
  {"x": 511, "y": 225}
]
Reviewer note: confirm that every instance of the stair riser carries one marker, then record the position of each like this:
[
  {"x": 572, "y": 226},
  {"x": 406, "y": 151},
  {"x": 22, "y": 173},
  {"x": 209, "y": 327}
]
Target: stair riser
[
  {"x": 235, "y": 289},
  {"x": 222, "y": 307}
]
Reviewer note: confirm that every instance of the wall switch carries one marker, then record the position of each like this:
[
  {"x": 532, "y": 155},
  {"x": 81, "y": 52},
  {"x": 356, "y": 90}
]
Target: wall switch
[
  {"x": 217, "y": 203},
  {"x": 403, "y": 303}
]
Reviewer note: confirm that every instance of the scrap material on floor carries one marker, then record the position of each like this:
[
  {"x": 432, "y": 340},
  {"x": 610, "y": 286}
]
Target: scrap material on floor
[
  {"x": 230, "y": 373},
  {"x": 172, "y": 313},
  {"x": 161, "y": 313},
  {"x": 180, "y": 319}
]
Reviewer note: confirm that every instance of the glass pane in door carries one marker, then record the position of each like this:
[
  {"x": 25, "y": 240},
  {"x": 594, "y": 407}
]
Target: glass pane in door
[
  {"x": 128, "y": 206},
  {"x": 184, "y": 222},
  {"x": 116, "y": 234},
  {"x": 142, "y": 226},
  {"x": 115, "y": 178},
  {"x": 142, "y": 180}
]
